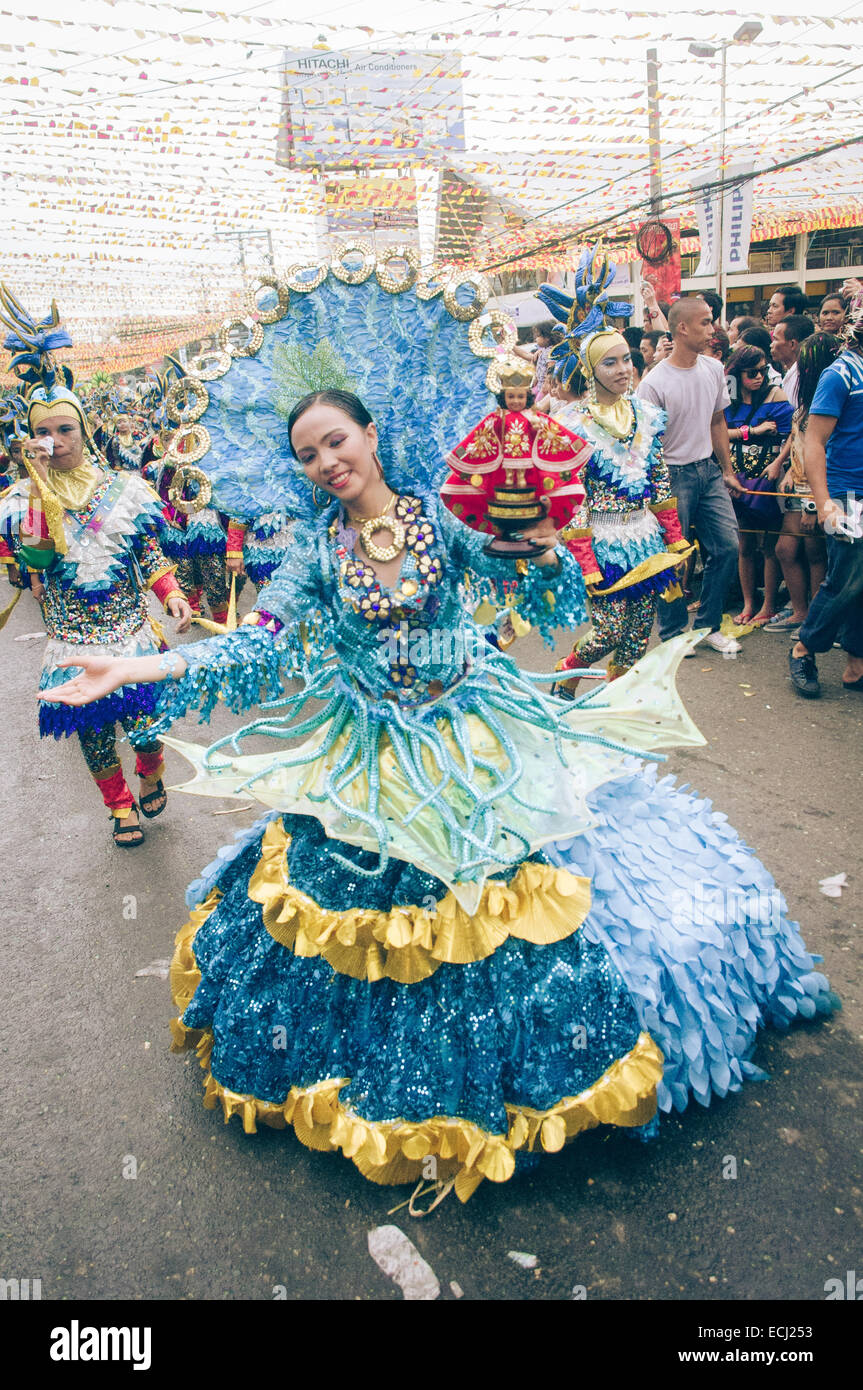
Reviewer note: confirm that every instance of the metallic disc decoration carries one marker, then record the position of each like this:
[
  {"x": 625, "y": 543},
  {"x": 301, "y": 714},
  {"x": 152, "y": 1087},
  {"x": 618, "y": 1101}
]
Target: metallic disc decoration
[
  {"x": 185, "y": 475},
  {"x": 496, "y": 318},
  {"x": 362, "y": 272},
  {"x": 492, "y": 378},
  {"x": 430, "y": 287},
  {"x": 265, "y": 282},
  {"x": 465, "y": 312},
  {"x": 181, "y": 391},
  {"x": 308, "y": 282},
  {"x": 190, "y": 444},
  {"x": 253, "y": 343},
  {"x": 209, "y": 366},
  {"x": 397, "y": 284}
]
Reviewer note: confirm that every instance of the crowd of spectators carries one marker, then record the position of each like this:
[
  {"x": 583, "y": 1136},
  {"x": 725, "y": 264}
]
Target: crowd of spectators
[
  {"x": 765, "y": 446},
  {"x": 782, "y": 486}
]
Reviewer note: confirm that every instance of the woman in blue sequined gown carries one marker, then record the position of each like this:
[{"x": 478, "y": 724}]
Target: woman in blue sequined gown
[{"x": 472, "y": 922}]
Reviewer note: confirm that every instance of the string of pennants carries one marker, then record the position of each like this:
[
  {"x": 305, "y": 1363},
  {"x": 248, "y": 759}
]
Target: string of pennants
[{"x": 140, "y": 164}]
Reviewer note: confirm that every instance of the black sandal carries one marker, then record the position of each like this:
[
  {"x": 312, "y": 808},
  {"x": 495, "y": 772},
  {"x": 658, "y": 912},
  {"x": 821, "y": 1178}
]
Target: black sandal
[
  {"x": 145, "y": 802},
  {"x": 122, "y": 827}
]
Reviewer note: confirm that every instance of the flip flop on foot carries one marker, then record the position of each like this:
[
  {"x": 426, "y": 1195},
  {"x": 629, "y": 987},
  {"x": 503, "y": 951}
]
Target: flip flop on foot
[{"x": 744, "y": 618}]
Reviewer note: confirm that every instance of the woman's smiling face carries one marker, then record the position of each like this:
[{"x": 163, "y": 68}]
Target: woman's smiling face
[{"x": 336, "y": 453}]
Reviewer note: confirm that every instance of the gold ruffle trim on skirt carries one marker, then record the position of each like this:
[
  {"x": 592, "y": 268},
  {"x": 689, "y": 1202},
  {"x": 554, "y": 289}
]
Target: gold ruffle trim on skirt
[
  {"x": 542, "y": 904},
  {"x": 398, "y": 1151}
]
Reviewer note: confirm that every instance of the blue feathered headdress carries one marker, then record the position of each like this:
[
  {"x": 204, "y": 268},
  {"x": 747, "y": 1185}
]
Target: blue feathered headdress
[
  {"x": 584, "y": 314},
  {"x": 13, "y": 419},
  {"x": 32, "y": 343}
]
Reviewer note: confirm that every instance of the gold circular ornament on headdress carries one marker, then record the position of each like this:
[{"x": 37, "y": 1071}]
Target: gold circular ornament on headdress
[
  {"x": 430, "y": 287},
  {"x": 197, "y": 437},
  {"x": 361, "y": 273},
  {"x": 305, "y": 285},
  {"x": 268, "y": 282},
  {"x": 481, "y": 291},
  {"x": 496, "y": 318},
  {"x": 185, "y": 475},
  {"x": 397, "y": 284},
  {"x": 180, "y": 392},
  {"x": 254, "y": 341},
  {"x": 210, "y": 365}
]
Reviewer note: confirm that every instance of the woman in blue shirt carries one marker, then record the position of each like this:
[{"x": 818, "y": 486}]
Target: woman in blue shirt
[{"x": 759, "y": 421}]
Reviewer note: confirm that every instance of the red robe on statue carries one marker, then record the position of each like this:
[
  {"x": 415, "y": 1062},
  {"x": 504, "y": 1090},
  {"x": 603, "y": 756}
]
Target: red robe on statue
[{"x": 521, "y": 449}]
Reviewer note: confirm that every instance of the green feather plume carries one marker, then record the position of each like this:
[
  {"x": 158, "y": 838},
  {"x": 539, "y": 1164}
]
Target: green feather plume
[{"x": 297, "y": 373}]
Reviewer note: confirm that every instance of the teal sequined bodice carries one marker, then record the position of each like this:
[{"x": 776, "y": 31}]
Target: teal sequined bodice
[{"x": 416, "y": 639}]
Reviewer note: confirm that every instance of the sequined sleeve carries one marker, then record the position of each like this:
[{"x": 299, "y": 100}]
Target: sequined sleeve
[
  {"x": 154, "y": 563},
  {"x": 658, "y": 472},
  {"x": 296, "y": 593},
  {"x": 652, "y": 418},
  {"x": 245, "y": 667},
  {"x": 547, "y": 598},
  {"x": 242, "y": 668}
]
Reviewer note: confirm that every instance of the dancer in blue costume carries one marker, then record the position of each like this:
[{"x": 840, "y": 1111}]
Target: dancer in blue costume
[
  {"x": 459, "y": 933},
  {"x": 627, "y": 537},
  {"x": 86, "y": 539}
]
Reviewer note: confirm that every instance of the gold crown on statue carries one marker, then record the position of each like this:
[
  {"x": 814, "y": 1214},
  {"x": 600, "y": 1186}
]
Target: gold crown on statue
[{"x": 513, "y": 373}]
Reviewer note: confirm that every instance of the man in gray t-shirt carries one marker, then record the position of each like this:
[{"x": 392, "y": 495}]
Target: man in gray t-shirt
[{"x": 691, "y": 388}]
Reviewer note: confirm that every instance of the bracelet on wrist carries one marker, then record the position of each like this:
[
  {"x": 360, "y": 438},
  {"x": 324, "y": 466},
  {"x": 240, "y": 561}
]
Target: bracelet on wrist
[{"x": 168, "y": 662}]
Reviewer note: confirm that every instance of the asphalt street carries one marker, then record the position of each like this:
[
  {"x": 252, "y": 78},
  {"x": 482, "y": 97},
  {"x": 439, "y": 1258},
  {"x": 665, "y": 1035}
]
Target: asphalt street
[{"x": 89, "y": 1084}]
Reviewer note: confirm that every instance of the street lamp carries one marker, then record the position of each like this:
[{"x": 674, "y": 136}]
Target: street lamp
[{"x": 747, "y": 33}]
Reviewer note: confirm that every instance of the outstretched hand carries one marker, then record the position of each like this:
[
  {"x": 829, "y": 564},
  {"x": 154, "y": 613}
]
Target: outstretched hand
[{"x": 101, "y": 675}]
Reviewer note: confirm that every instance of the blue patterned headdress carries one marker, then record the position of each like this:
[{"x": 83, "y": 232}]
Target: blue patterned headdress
[
  {"x": 13, "y": 419},
  {"x": 47, "y": 383},
  {"x": 584, "y": 314},
  {"x": 416, "y": 354}
]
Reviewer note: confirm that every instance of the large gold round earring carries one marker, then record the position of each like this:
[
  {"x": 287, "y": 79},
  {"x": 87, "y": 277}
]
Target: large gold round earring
[{"x": 321, "y": 506}]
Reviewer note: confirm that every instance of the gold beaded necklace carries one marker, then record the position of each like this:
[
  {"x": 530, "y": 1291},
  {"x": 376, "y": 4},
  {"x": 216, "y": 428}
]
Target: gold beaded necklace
[{"x": 384, "y": 522}]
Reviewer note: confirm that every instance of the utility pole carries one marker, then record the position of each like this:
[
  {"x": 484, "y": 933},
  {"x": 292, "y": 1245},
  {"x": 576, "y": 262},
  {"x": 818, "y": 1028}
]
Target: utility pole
[
  {"x": 242, "y": 237},
  {"x": 653, "y": 142},
  {"x": 747, "y": 33},
  {"x": 720, "y": 281}
]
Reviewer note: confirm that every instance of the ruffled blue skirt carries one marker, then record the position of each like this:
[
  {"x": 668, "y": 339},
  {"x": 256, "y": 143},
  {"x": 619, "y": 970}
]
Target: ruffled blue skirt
[{"x": 686, "y": 940}]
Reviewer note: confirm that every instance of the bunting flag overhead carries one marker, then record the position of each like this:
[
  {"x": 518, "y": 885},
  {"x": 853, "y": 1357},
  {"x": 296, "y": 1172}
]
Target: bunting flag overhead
[{"x": 157, "y": 155}]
